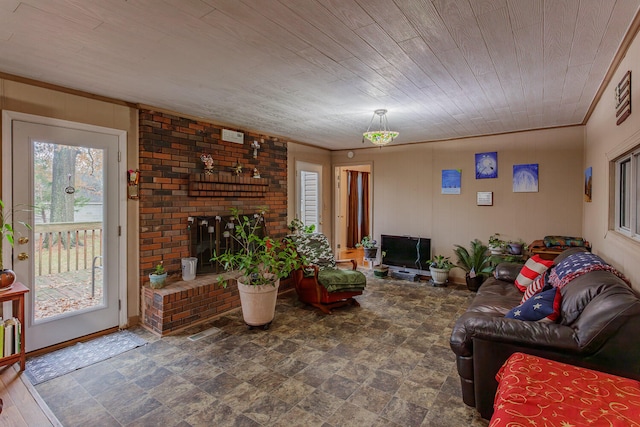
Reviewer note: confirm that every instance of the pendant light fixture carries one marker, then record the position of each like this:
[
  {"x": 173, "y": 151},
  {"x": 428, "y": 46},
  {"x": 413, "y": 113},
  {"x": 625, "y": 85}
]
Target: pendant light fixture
[{"x": 383, "y": 136}]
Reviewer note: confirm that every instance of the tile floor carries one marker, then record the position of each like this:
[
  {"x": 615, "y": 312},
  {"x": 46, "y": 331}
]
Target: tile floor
[{"x": 386, "y": 363}]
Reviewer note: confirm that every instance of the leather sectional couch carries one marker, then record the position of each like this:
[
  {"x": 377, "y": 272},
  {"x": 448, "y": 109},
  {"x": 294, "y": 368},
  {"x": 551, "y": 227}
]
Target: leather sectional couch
[{"x": 598, "y": 328}]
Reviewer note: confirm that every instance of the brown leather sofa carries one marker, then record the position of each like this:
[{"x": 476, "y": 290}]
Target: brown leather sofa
[{"x": 599, "y": 328}]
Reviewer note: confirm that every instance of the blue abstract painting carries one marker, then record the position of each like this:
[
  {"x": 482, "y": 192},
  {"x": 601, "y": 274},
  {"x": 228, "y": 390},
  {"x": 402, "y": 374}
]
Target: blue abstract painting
[
  {"x": 487, "y": 165},
  {"x": 525, "y": 178},
  {"x": 451, "y": 181}
]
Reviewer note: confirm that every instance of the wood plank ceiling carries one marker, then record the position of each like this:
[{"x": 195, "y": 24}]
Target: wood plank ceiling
[{"x": 315, "y": 70}]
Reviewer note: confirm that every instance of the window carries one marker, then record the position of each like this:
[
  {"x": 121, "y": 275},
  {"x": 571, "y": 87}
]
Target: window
[
  {"x": 627, "y": 220},
  {"x": 309, "y": 194}
]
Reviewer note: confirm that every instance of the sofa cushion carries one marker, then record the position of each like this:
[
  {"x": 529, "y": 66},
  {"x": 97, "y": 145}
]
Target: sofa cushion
[
  {"x": 531, "y": 269},
  {"x": 577, "y": 295},
  {"x": 507, "y": 271},
  {"x": 542, "y": 307}
]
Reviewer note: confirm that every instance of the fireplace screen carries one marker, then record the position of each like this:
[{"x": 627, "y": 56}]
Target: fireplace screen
[{"x": 209, "y": 235}]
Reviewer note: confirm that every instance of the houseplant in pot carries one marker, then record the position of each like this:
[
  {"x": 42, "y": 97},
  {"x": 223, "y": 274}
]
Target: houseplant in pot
[
  {"x": 496, "y": 244},
  {"x": 261, "y": 261},
  {"x": 439, "y": 266},
  {"x": 370, "y": 247},
  {"x": 158, "y": 278},
  {"x": 381, "y": 270},
  {"x": 516, "y": 247},
  {"x": 7, "y": 276},
  {"x": 476, "y": 262}
]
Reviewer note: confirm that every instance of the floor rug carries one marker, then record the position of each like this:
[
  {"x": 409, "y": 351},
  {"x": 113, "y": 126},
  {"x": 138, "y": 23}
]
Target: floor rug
[{"x": 51, "y": 365}]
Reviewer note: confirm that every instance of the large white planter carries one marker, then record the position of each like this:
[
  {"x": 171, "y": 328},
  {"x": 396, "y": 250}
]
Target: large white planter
[
  {"x": 439, "y": 275},
  {"x": 258, "y": 303}
]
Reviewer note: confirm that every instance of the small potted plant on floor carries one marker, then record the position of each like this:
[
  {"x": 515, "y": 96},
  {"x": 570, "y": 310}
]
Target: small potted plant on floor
[
  {"x": 158, "y": 278},
  {"x": 439, "y": 266},
  {"x": 370, "y": 247},
  {"x": 476, "y": 262},
  {"x": 261, "y": 261},
  {"x": 381, "y": 270}
]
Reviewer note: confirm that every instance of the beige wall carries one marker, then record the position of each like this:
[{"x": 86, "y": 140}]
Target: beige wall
[
  {"x": 304, "y": 153},
  {"x": 25, "y": 98},
  {"x": 406, "y": 189},
  {"x": 604, "y": 142}
]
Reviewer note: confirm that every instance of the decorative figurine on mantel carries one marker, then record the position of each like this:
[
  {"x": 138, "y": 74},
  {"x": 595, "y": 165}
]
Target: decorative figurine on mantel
[
  {"x": 208, "y": 163},
  {"x": 237, "y": 169},
  {"x": 256, "y": 173}
]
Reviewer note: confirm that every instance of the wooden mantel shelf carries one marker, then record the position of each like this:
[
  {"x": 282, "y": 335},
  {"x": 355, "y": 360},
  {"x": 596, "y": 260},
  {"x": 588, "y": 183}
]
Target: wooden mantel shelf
[{"x": 226, "y": 185}]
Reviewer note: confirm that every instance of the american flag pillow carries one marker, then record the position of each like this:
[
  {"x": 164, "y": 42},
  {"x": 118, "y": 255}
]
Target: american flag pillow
[
  {"x": 535, "y": 287},
  {"x": 542, "y": 307},
  {"x": 534, "y": 267}
]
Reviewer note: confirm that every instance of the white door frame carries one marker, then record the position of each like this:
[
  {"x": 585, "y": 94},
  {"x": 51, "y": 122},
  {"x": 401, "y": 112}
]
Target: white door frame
[
  {"x": 7, "y": 184},
  {"x": 340, "y": 201}
]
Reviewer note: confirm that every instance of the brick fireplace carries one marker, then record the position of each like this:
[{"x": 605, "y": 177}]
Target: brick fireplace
[{"x": 174, "y": 187}]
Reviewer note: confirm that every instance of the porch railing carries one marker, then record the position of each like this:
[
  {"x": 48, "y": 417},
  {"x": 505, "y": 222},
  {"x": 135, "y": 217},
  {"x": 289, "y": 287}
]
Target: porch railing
[{"x": 66, "y": 246}]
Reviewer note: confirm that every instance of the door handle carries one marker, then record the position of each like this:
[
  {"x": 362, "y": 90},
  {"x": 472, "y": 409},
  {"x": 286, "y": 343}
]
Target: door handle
[
  {"x": 22, "y": 256},
  {"x": 23, "y": 240}
]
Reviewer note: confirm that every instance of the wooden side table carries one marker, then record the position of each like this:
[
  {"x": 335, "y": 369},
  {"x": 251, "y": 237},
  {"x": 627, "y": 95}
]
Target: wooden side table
[{"x": 16, "y": 296}]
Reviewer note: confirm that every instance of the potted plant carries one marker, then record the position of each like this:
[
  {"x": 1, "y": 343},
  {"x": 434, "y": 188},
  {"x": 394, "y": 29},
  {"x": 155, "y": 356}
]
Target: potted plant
[
  {"x": 370, "y": 247},
  {"x": 296, "y": 226},
  {"x": 496, "y": 244},
  {"x": 7, "y": 276},
  {"x": 516, "y": 247},
  {"x": 381, "y": 270},
  {"x": 261, "y": 261},
  {"x": 476, "y": 262},
  {"x": 439, "y": 266},
  {"x": 158, "y": 278}
]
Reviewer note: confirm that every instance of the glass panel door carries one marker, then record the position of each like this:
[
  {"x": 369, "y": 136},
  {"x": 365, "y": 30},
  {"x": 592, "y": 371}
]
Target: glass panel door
[{"x": 68, "y": 180}]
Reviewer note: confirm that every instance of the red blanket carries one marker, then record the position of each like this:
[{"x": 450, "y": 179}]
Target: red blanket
[{"x": 533, "y": 391}]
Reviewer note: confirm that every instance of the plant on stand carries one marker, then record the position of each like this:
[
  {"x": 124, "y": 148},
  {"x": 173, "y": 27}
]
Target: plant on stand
[
  {"x": 7, "y": 276},
  {"x": 370, "y": 247},
  {"x": 496, "y": 244},
  {"x": 439, "y": 266},
  {"x": 261, "y": 261},
  {"x": 476, "y": 262},
  {"x": 516, "y": 247},
  {"x": 158, "y": 278}
]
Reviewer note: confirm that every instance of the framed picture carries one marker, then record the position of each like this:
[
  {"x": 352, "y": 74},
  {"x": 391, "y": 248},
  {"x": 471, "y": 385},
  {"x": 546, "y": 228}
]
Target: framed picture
[
  {"x": 485, "y": 198},
  {"x": 451, "y": 179},
  {"x": 525, "y": 178},
  {"x": 587, "y": 184},
  {"x": 487, "y": 165}
]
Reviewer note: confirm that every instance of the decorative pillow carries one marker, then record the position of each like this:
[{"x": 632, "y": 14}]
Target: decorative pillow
[
  {"x": 536, "y": 286},
  {"x": 531, "y": 269},
  {"x": 542, "y": 307}
]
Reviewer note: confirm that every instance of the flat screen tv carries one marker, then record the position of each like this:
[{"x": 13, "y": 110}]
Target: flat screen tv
[{"x": 406, "y": 252}]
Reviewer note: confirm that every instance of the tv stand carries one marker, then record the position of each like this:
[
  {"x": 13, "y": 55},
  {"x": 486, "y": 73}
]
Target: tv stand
[{"x": 404, "y": 275}]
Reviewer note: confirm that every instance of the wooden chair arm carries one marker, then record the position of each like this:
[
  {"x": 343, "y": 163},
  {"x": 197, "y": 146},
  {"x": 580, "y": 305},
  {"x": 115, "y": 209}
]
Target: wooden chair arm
[{"x": 354, "y": 263}]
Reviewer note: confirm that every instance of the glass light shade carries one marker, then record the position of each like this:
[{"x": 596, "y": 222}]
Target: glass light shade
[{"x": 381, "y": 137}]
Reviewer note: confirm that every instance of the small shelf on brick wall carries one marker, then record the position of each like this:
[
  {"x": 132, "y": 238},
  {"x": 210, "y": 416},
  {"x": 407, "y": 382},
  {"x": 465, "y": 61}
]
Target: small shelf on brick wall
[{"x": 226, "y": 185}]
